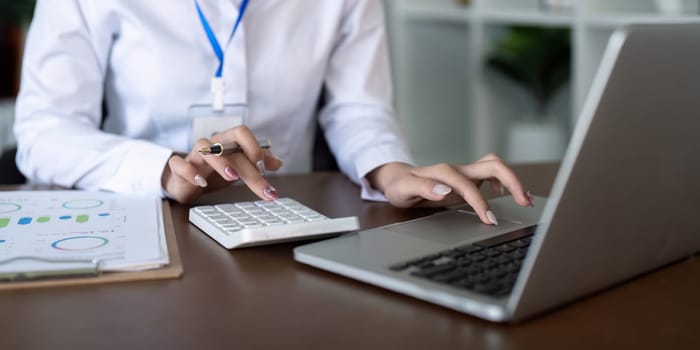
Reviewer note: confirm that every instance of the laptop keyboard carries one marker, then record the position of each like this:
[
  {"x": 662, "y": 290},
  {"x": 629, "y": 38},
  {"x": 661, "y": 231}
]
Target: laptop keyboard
[{"x": 488, "y": 267}]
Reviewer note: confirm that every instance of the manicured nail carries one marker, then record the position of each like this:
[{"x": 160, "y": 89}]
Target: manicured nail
[
  {"x": 529, "y": 198},
  {"x": 271, "y": 192},
  {"x": 261, "y": 167},
  {"x": 491, "y": 217},
  {"x": 200, "y": 181},
  {"x": 442, "y": 189},
  {"x": 231, "y": 173}
]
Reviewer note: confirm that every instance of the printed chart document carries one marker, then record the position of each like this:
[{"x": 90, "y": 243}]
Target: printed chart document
[{"x": 46, "y": 233}]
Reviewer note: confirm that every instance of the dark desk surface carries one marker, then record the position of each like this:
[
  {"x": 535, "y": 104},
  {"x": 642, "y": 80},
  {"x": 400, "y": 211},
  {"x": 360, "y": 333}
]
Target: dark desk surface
[{"x": 261, "y": 298}]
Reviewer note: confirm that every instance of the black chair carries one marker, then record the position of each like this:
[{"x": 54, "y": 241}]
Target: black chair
[
  {"x": 322, "y": 158},
  {"x": 10, "y": 175}
]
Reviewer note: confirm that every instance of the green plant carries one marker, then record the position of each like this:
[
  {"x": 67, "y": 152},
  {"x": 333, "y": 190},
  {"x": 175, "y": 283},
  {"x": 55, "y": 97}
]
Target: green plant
[
  {"x": 537, "y": 58},
  {"x": 16, "y": 11}
]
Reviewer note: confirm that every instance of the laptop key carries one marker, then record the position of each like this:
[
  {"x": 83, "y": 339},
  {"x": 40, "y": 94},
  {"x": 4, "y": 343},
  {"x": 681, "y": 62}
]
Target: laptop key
[
  {"x": 491, "y": 252},
  {"x": 450, "y": 276},
  {"x": 498, "y": 272},
  {"x": 477, "y": 257},
  {"x": 489, "y": 264},
  {"x": 521, "y": 243},
  {"x": 434, "y": 270},
  {"x": 425, "y": 265},
  {"x": 465, "y": 283},
  {"x": 454, "y": 254},
  {"x": 463, "y": 262},
  {"x": 510, "y": 278},
  {"x": 512, "y": 267},
  {"x": 508, "y": 247},
  {"x": 486, "y": 288},
  {"x": 502, "y": 290},
  {"x": 399, "y": 266},
  {"x": 416, "y": 261},
  {"x": 482, "y": 278},
  {"x": 504, "y": 259}
]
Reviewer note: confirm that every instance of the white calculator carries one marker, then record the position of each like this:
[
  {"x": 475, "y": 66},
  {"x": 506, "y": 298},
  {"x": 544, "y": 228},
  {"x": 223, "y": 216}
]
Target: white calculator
[{"x": 245, "y": 224}]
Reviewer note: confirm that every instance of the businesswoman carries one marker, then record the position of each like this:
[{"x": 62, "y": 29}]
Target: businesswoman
[{"x": 164, "y": 70}]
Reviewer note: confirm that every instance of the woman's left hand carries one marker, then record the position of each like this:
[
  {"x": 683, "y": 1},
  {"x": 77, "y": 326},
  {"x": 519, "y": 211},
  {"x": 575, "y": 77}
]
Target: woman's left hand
[{"x": 407, "y": 186}]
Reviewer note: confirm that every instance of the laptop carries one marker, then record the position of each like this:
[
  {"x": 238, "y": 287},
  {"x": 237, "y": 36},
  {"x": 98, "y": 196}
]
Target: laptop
[{"x": 624, "y": 202}]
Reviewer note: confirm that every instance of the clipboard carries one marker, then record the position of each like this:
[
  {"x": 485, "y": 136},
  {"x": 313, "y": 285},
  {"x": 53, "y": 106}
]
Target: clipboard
[{"x": 171, "y": 271}]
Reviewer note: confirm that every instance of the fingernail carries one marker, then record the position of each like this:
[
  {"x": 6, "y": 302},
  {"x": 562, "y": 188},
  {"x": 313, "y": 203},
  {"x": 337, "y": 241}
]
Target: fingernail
[
  {"x": 441, "y": 189},
  {"x": 277, "y": 159},
  {"x": 271, "y": 192},
  {"x": 231, "y": 173},
  {"x": 529, "y": 198},
  {"x": 491, "y": 217},
  {"x": 200, "y": 181},
  {"x": 261, "y": 167}
]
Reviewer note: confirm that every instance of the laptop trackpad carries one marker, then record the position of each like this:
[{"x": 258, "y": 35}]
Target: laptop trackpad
[{"x": 452, "y": 227}]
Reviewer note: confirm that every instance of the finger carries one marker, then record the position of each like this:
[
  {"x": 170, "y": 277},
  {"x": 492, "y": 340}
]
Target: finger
[
  {"x": 237, "y": 166},
  {"x": 221, "y": 165},
  {"x": 448, "y": 175},
  {"x": 413, "y": 189},
  {"x": 181, "y": 180},
  {"x": 490, "y": 157},
  {"x": 250, "y": 175},
  {"x": 496, "y": 169},
  {"x": 186, "y": 171},
  {"x": 271, "y": 162},
  {"x": 497, "y": 186},
  {"x": 246, "y": 140}
]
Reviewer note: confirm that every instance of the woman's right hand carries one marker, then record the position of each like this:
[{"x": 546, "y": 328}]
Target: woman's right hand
[{"x": 185, "y": 179}]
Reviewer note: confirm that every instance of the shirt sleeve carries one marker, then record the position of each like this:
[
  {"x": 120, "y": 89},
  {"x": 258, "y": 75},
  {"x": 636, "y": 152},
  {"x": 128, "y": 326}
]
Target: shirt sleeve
[
  {"x": 358, "y": 118},
  {"x": 59, "y": 107}
]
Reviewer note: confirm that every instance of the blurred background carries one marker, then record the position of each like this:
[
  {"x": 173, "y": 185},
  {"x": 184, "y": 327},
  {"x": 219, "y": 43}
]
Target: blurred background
[
  {"x": 471, "y": 76},
  {"x": 14, "y": 19},
  {"x": 504, "y": 76}
]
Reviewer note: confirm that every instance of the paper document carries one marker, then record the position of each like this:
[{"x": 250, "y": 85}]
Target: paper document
[{"x": 54, "y": 231}]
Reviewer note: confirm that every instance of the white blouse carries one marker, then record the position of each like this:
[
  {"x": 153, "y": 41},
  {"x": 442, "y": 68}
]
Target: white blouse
[{"x": 149, "y": 60}]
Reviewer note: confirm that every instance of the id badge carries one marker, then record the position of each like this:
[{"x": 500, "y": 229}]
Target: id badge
[{"x": 206, "y": 122}]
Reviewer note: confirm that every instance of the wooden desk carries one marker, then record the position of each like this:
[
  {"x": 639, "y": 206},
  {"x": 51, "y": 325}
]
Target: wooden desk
[{"x": 261, "y": 298}]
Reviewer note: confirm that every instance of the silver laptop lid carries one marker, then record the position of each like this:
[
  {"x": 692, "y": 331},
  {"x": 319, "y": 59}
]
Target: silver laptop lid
[{"x": 625, "y": 200}]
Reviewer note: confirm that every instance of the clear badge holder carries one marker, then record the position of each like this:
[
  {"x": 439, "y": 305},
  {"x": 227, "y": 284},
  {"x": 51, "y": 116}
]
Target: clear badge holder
[{"x": 206, "y": 121}]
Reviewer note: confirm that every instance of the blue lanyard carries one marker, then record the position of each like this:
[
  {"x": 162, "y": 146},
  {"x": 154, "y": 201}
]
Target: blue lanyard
[{"x": 212, "y": 38}]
